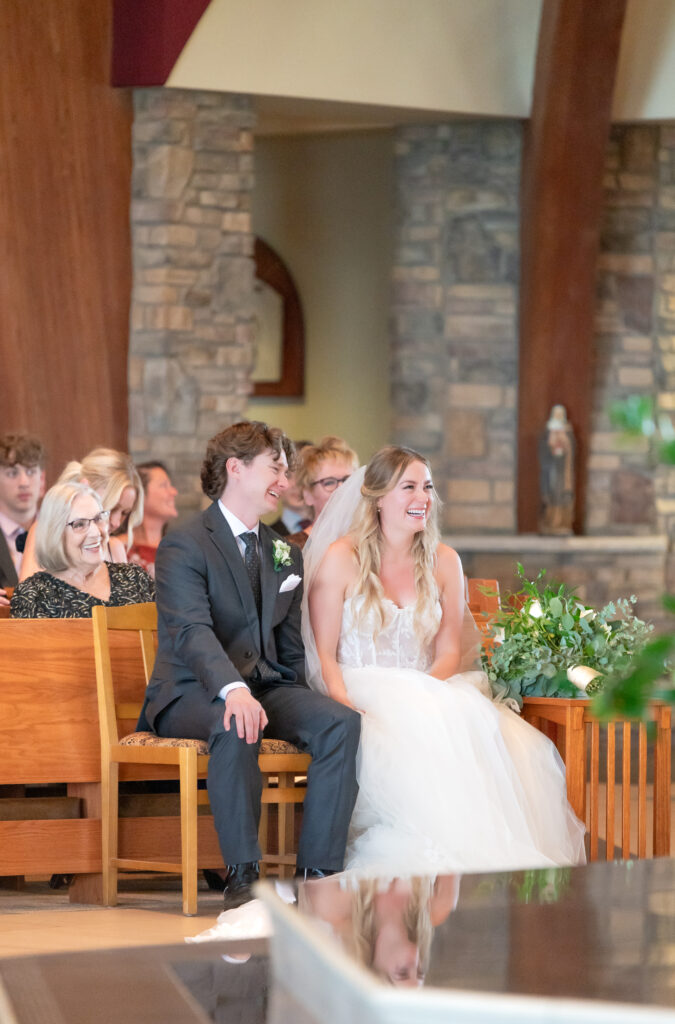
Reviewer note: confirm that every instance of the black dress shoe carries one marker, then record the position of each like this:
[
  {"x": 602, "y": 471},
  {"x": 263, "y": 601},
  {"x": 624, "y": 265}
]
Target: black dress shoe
[
  {"x": 237, "y": 888},
  {"x": 306, "y": 874},
  {"x": 213, "y": 879},
  {"x": 61, "y": 881}
]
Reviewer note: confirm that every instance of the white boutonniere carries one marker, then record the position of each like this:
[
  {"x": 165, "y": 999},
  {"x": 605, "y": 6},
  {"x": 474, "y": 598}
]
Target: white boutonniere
[{"x": 282, "y": 555}]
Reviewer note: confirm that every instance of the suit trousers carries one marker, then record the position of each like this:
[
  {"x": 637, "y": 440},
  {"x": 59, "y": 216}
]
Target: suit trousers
[{"x": 322, "y": 727}]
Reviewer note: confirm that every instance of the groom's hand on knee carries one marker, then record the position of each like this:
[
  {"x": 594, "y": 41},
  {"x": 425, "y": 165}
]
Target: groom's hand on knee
[{"x": 249, "y": 715}]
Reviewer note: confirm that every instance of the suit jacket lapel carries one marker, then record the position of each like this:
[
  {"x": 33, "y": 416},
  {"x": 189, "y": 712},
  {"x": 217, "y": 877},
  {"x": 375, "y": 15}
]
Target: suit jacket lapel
[
  {"x": 224, "y": 540},
  {"x": 8, "y": 577},
  {"x": 269, "y": 581}
]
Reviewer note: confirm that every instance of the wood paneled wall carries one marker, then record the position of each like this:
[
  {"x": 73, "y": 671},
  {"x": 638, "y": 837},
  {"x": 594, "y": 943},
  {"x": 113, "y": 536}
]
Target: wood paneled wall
[{"x": 65, "y": 254}]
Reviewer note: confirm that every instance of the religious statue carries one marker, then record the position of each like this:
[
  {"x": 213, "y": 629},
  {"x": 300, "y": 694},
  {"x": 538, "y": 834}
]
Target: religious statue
[{"x": 556, "y": 474}]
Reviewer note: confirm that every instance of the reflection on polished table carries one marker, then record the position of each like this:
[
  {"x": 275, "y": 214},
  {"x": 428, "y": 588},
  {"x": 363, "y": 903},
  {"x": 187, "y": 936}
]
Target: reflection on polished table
[{"x": 604, "y": 932}]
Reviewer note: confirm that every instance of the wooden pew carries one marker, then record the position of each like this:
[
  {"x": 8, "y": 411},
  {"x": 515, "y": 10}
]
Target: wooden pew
[{"x": 49, "y": 734}]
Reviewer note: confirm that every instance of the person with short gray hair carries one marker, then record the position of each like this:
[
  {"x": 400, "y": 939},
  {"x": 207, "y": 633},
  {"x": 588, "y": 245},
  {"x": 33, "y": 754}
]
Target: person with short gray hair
[{"x": 71, "y": 543}]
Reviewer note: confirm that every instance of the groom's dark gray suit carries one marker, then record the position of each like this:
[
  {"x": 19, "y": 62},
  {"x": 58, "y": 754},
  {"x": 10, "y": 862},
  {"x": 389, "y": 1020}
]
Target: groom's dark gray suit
[{"x": 209, "y": 636}]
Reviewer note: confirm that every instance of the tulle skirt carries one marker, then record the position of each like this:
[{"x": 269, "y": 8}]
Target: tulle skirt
[{"x": 449, "y": 781}]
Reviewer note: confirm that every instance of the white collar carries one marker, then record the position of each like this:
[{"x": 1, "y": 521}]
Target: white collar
[
  {"x": 10, "y": 527},
  {"x": 234, "y": 523}
]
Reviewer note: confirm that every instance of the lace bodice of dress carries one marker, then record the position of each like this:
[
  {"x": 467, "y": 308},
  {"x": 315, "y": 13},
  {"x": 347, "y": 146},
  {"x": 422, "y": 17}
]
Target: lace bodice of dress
[{"x": 395, "y": 646}]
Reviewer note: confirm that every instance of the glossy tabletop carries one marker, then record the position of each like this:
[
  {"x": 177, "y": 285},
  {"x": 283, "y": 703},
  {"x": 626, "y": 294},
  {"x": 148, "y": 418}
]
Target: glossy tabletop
[{"x": 600, "y": 932}]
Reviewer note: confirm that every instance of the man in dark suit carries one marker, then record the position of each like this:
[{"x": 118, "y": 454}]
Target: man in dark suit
[
  {"x": 21, "y": 483},
  {"x": 230, "y": 660}
]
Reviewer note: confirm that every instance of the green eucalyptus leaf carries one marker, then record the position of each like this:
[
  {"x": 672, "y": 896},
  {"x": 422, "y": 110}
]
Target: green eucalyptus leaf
[{"x": 556, "y": 607}]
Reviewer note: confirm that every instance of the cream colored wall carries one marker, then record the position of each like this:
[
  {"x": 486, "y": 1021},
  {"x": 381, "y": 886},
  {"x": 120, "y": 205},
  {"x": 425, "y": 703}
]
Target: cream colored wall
[
  {"x": 645, "y": 81},
  {"x": 452, "y": 56},
  {"x": 474, "y": 56},
  {"x": 326, "y": 203}
]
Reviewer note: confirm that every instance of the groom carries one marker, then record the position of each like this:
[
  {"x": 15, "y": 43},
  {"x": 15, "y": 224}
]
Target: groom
[{"x": 230, "y": 660}]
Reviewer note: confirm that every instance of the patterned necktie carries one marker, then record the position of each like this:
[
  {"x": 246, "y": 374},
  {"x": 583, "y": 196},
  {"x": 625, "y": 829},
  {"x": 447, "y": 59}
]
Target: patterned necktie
[{"x": 252, "y": 563}]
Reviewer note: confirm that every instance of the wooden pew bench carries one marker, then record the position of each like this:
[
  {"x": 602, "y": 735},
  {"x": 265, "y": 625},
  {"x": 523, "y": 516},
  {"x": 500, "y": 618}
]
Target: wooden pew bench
[{"x": 49, "y": 733}]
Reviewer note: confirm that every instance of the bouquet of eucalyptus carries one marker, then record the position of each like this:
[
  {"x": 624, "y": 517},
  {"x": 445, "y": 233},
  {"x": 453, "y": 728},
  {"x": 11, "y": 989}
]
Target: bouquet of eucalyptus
[{"x": 548, "y": 644}]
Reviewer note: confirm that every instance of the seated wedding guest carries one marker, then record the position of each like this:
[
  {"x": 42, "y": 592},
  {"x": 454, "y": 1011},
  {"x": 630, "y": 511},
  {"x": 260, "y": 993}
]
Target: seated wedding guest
[
  {"x": 159, "y": 506},
  {"x": 22, "y": 459},
  {"x": 322, "y": 468},
  {"x": 294, "y": 513},
  {"x": 113, "y": 476},
  {"x": 71, "y": 540}
]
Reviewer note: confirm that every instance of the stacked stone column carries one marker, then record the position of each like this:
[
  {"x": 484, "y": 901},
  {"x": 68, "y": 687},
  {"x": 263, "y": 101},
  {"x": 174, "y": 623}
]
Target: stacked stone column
[
  {"x": 455, "y": 307},
  {"x": 191, "y": 335}
]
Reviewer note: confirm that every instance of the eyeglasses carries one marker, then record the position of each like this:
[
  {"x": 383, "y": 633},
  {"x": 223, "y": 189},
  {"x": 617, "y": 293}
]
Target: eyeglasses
[
  {"x": 82, "y": 525},
  {"x": 331, "y": 483}
]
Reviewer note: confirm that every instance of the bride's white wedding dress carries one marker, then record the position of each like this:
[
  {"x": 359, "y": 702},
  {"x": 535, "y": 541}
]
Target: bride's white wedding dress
[{"x": 448, "y": 781}]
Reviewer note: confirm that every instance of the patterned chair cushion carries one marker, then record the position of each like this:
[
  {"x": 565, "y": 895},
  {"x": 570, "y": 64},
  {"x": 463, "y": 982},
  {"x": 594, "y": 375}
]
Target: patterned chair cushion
[
  {"x": 278, "y": 747},
  {"x": 148, "y": 739}
]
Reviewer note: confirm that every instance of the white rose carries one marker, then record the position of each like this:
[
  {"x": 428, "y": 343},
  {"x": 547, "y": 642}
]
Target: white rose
[
  {"x": 581, "y": 675},
  {"x": 534, "y": 610}
]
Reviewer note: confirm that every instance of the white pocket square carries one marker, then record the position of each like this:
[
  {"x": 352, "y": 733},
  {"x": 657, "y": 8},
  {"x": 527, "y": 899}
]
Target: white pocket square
[{"x": 290, "y": 583}]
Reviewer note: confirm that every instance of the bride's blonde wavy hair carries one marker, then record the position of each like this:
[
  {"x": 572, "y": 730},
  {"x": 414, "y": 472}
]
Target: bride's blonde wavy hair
[
  {"x": 416, "y": 919},
  {"x": 383, "y": 472}
]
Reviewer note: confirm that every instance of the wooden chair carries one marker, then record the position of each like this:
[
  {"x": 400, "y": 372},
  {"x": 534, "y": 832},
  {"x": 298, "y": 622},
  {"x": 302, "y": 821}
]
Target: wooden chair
[
  {"x": 482, "y": 597},
  {"x": 280, "y": 762},
  {"x": 4, "y": 608}
]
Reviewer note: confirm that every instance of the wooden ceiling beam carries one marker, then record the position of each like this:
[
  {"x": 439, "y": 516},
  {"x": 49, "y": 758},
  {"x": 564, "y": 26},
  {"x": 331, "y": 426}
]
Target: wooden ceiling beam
[{"x": 562, "y": 202}]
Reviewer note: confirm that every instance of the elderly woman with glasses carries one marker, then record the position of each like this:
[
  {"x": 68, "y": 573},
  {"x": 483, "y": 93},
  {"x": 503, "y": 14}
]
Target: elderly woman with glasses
[
  {"x": 322, "y": 468},
  {"x": 71, "y": 543}
]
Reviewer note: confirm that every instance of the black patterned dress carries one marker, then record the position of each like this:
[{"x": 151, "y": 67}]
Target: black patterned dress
[{"x": 43, "y": 596}]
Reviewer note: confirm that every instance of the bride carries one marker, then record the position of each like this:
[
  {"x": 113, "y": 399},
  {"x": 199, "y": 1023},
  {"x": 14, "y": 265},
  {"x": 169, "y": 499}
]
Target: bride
[{"x": 448, "y": 780}]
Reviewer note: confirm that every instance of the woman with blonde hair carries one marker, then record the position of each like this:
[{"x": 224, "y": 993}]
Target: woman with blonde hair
[
  {"x": 113, "y": 476},
  {"x": 448, "y": 781}
]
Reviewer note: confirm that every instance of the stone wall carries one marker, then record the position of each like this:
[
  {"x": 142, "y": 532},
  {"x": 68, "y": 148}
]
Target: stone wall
[
  {"x": 599, "y": 569},
  {"x": 191, "y": 334},
  {"x": 621, "y": 484},
  {"x": 454, "y": 325},
  {"x": 454, "y": 331}
]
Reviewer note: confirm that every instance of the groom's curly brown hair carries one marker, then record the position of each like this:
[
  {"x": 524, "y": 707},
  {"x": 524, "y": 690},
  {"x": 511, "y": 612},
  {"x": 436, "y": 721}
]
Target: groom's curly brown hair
[{"x": 242, "y": 441}]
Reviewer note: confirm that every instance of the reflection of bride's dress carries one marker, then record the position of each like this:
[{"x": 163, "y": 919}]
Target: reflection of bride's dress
[{"x": 448, "y": 781}]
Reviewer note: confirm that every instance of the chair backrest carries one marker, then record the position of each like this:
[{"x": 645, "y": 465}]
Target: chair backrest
[
  {"x": 483, "y": 600},
  {"x": 115, "y": 708},
  {"x": 482, "y": 596},
  {"x": 4, "y": 608}
]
